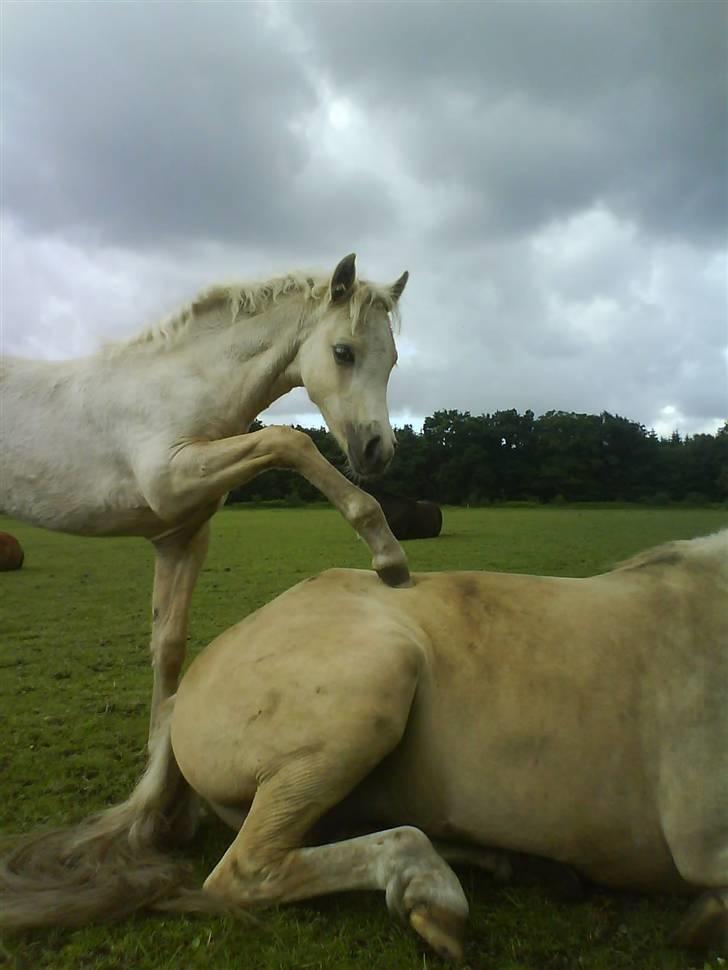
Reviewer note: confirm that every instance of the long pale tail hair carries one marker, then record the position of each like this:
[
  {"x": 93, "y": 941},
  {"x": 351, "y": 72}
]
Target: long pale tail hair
[{"x": 110, "y": 864}]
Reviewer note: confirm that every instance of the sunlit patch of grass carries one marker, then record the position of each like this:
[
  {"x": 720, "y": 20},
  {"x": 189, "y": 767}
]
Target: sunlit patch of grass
[{"x": 75, "y": 685}]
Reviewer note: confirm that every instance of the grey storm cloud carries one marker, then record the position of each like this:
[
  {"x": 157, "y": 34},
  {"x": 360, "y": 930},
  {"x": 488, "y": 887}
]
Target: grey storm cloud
[
  {"x": 553, "y": 174},
  {"x": 540, "y": 335},
  {"x": 155, "y": 122},
  {"x": 535, "y": 110},
  {"x": 141, "y": 124}
]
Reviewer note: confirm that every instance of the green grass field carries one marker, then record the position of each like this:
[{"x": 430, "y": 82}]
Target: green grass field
[{"x": 74, "y": 691}]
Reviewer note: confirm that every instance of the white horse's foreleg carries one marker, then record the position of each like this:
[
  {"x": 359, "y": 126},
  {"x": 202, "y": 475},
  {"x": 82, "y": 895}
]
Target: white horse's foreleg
[
  {"x": 179, "y": 558},
  {"x": 201, "y": 472}
]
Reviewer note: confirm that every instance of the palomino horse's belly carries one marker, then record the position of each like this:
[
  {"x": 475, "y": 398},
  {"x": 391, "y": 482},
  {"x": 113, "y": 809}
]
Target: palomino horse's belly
[{"x": 503, "y": 791}]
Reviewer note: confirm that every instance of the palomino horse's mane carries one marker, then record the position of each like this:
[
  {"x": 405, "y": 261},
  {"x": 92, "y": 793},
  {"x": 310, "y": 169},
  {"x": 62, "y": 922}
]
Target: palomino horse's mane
[
  {"x": 250, "y": 299},
  {"x": 680, "y": 550}
]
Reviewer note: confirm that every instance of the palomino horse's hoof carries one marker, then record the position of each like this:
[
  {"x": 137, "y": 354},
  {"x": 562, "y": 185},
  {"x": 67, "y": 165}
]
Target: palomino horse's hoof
[
  {"x": 442, "y": 929},
  {"x": 396, "y": 575},
  {"x": 705, "y": 925}
]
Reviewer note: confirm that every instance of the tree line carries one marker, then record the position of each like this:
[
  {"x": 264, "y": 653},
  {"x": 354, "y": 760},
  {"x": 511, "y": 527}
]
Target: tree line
[{"x": 463, "y": 459}]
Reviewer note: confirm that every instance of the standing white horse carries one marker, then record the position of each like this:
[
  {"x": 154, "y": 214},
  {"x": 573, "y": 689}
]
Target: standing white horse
[
  {"x": 580, "y": 720},
  {"x": 147, "y": 436}
]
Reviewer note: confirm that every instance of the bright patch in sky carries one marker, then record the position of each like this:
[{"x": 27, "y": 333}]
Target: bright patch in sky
[{"x": 340, "y": 114}]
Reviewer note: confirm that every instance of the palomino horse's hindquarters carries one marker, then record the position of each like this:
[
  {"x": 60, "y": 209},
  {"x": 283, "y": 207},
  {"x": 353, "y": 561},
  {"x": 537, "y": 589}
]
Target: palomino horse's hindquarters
[{"x": 328, "y": 758}]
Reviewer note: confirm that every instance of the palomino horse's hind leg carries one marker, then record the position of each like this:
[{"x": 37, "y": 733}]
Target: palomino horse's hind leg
[
  {"x": 696, "y": 828},
  {"x": 418, "y": 884},
  {"x": 705, "y": 925},
  {"x": 179, "y": 558},
  {"x": 294, "y": 785}
]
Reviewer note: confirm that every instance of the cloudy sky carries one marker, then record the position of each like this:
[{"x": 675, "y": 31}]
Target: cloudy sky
[{"x": 553, "y": 175}]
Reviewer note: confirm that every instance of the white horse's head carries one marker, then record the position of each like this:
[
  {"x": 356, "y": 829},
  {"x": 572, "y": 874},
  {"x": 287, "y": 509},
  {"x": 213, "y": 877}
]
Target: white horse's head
[{"x": 345, "y": 363}]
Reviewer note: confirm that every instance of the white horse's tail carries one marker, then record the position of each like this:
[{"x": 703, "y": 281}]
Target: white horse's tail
[{"x": 110, "y": 864}]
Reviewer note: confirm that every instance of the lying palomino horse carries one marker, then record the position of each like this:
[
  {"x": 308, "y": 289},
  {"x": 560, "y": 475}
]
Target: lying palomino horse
[
  {"x": 581, "y": 720},
  {"x": 146, "y": 437}
]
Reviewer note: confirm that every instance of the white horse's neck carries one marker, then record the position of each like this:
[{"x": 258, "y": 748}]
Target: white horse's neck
[
  {"x": 220, "y": 374},
  {"x": 255, "y": 361}
]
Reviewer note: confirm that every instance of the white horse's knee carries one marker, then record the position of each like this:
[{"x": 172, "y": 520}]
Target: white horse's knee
[
  {"x": 363, "y": 511},
  {"x": 284, "y": 444}
]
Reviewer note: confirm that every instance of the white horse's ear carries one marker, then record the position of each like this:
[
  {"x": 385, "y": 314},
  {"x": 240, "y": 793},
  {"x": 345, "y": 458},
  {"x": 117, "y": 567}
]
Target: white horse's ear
[
  {"x": 342, "y": 282},
  {"x": 397, "y": 289}
]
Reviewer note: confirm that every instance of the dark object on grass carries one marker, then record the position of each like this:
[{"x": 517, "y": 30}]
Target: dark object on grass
[
  {"x": 11, "y": 553},
  {"x": 409, "y": 518}
]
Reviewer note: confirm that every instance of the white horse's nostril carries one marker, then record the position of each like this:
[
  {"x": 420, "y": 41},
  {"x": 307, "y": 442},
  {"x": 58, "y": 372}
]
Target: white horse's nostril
[{"x": 372, "y": 449}]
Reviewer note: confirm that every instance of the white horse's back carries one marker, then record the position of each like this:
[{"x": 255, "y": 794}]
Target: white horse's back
[{"x": 62, "y": 467}]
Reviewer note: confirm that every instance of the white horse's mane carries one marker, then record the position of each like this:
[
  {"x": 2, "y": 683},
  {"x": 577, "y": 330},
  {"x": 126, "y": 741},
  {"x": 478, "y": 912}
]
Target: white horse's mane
[{"x": 249, "y": 299}]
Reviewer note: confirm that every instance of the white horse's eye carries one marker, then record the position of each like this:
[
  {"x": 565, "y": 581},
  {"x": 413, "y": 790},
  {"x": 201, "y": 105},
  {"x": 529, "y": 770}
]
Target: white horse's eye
[{"x": 343, "y": 354}]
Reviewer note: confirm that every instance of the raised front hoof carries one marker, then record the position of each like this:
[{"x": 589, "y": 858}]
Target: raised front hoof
[
  {"x": 705, "y": 925},
  {"x": 397, "y": 575},
  {"x": 442, "y": 929}
]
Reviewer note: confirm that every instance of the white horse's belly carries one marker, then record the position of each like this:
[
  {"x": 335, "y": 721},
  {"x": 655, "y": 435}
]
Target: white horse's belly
[
  {"x": 98, "y": 521},
  {"x": 72, "y": 483},
  {"x": 55, "y": 496}
]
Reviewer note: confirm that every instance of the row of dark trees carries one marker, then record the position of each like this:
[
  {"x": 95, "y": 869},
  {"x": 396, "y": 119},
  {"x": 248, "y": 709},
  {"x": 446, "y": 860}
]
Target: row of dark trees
[{"x": 459, "y": 458}]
